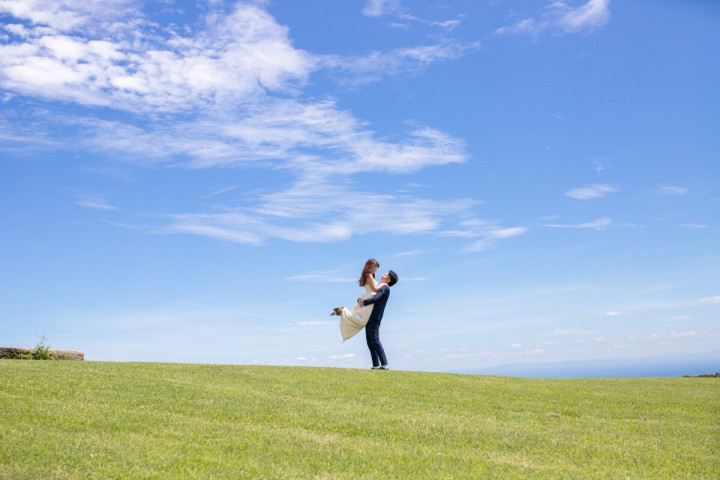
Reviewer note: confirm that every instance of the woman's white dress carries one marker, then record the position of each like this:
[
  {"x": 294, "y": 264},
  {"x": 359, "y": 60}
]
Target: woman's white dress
[{"x": 352, "y": 321}]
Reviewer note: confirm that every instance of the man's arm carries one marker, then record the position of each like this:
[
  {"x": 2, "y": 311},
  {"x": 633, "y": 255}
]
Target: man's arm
[{"x": 384, "y": 290}]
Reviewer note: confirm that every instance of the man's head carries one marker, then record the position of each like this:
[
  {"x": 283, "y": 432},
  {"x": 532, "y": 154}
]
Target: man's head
[{"x": 390, "y": 278}]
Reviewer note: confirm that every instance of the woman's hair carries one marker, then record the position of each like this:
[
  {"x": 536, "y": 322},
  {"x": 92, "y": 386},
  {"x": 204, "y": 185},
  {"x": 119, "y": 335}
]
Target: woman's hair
[{"x": 366, "y": 269}]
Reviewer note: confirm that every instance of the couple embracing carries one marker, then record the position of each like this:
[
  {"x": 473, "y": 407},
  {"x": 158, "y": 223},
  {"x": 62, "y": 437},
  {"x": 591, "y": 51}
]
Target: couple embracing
[{"x": 368, "y": 311}]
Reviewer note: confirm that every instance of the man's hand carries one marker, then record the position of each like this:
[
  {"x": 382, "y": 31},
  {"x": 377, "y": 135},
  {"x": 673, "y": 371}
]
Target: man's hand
[{"x": 360, "y": 302}]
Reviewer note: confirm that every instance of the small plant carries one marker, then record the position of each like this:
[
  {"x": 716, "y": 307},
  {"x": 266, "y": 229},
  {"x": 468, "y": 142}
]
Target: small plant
[
  {"x": 42, "y": 350},
  {"x": 18, "y": 355}
]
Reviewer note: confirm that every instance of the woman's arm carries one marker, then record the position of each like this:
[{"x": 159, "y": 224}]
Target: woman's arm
[
  {"x": 380, "y": 294},
  {"x": 373, "y": 284}
]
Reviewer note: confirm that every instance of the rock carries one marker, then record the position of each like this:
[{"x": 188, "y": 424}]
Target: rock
[{"x": 62, "y": 354}]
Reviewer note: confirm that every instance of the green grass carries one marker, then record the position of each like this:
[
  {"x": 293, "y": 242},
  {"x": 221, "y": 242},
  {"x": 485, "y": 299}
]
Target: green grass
[{"x": 89, "y": 420}]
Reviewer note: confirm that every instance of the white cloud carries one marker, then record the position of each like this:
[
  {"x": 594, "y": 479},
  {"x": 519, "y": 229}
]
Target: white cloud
[
  {"x": 318, "y": 277},
  {"x": 672, "y": 190},
  {"x": 239, "y": 59},
  {"x": 492, "y": 236},
  {"x": 376, "y": 65},
  {"x": 342, "y": 357},
  {"x": 669, "y": 305},
  {"x": 459, "y": 356},
  {"x": 96, "y": 203},
  {"x": 537, "y": 351},
  {"x": 314, "y": 139},
  {"x": 410, "y": 253},
  {"x": 591, "y": 191},
  {"x": 324, "y": 213},
  {"x": 713, "y": 299},
  {"x": 600, "y": 165},
  {"x": 692, "y": 226},
  {"x": 559, "y": 17},
  {"x": 68, "y": 15},
  {"x": 599, "y": 224},
  {"x": 613, "y": 313},
  {"x": 220, "y": 191},
  {"x": 235, "y": 57},
  {"x": 488, "y": 233},
  {"x": 593, "y": 14},
  {"x": 314, "y": 323},
  {"x": 572, "y": 331},
  {"x": 225, "y": 92},
  {"x": 378, "y": 8},
  {"x": 447, "y": 25},
  {"x": 691, "y": 333}
]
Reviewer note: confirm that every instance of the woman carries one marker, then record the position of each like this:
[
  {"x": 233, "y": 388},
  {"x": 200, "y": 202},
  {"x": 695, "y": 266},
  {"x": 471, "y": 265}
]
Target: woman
[{"x": 352, "y": 321}]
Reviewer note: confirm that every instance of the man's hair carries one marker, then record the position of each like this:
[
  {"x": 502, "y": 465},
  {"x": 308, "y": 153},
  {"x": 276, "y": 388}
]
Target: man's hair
[{"x": 393, "y": 278}]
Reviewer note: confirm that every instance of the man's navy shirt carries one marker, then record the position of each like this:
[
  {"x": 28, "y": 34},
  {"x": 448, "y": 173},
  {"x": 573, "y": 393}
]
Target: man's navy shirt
[{"x": 379, "y": 300}]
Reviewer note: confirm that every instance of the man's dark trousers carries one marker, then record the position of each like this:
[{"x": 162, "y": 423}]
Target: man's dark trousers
[
  {"x": 372, "y": 334},
  {"x": 372, "y": 329}
]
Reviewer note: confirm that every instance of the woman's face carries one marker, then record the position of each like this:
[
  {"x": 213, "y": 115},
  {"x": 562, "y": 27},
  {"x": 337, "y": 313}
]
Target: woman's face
[{"x": 374, "y": 269}]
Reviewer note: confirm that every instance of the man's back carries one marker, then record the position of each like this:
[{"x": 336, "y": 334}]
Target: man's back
[{"x": 379, "y": 301}]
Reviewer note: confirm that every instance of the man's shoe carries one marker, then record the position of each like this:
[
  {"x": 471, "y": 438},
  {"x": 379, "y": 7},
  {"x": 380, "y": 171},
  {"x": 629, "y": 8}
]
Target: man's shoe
[
  {"x": 384, "y": 367},
  {"x": 374, "y": 368}
]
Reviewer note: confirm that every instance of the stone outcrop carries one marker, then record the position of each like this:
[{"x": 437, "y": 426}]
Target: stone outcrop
[{"x": 62, "y": 354}]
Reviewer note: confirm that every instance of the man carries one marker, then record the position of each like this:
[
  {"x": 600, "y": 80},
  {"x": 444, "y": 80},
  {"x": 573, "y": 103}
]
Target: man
[{"x": 372, "y": 329}]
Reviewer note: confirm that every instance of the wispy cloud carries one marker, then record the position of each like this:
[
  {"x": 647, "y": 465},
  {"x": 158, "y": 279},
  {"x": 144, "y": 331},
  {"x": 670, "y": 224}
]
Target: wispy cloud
[
  {"x": 713, "y": 299},
  {"x": 220, "y": 192},
  {"x": 98, "y": 203},
  {"x": 599, "y": 224},
  {"x": 342, "y": 357},
  {"x": 446, "y": 24},
  {"x": 377, "y": 65},
  {"x": 692, "y": 226},
  {"x": 410, "y": 253},
  {"x": 378, "y": 8},
  {"x": 319, "y": 277},
  {"x": 226, "y": 91},
  {"x": 492, "y": 236},
  {"x": 487, "y": 233},
  {"x": 64, "y": 56},
  {"x": 559, "y": 17},
  {"x": 600, "y": 165},
  {"x": 324, "y": 213},
  {"x": 590, "y": 192},
  {"x": 669, "y": 306},
  {"x": 227, "y": 82},
  {"x": 672, "y": 190},
  {"x": 459, "y": 356},
  {"x": 315, "y": 323},
  {"x": 572, "y": 331}
]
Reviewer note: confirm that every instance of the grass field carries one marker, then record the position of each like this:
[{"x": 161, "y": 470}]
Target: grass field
[{"x": 83, "y": 420}]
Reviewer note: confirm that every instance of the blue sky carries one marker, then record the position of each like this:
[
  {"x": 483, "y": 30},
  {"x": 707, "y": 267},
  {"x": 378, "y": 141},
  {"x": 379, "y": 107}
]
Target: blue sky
[{"x": 202, "y": 181}]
